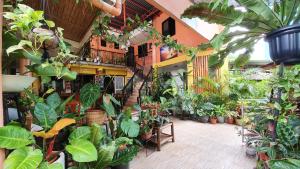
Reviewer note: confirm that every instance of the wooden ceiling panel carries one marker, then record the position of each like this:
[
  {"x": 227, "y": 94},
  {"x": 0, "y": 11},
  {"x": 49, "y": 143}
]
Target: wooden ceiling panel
[{"x": 74, "y": 18}]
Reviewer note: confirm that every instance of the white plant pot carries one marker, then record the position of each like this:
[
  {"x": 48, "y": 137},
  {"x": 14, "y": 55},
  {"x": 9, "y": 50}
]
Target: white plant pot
[
  {"x": 61, "y": 160},
  {"x": 16, "y": 83}
]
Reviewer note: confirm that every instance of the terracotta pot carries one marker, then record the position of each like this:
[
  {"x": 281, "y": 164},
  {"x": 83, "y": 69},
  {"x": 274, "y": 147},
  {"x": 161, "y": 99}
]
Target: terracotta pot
[
  {"x": 147, "y": 135},
  {"x": 263, "y": 156},
  {"x": 213, "y": 120},
  {"x": 229, "y": 120}
]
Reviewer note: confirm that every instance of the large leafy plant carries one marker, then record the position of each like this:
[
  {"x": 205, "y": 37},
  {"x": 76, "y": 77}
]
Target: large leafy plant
[
  {"x": 25, "y": 153},
  {"x": 256, "y": 18},
  {"x": 26, "y": 37}
]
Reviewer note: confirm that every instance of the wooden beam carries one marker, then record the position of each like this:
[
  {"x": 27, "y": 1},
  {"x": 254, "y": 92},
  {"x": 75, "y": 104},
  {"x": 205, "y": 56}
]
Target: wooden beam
[{"x": 2, "y": 154}]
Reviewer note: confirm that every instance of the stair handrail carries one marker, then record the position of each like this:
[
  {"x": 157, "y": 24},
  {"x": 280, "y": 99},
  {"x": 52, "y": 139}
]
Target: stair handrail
[
  {"x": 139, "y": 99},
  {"x": 125, "y": 95}
]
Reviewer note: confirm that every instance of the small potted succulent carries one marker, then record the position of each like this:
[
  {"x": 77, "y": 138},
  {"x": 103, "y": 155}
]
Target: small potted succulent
[{"x": 220, "y": 112}]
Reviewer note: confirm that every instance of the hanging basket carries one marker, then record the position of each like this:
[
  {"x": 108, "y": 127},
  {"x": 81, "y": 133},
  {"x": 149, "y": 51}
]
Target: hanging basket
[{"x": 284, "y": 45}]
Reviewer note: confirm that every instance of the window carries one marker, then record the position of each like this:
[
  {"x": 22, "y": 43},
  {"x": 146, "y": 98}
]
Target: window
[
  {"x": 119, "y": 83},
  {"x": 116, "y": 45},
  {"x": 168, "y": 27},
  {"x": 103, "y": 43},
  {"x": 142, "y": 50}
]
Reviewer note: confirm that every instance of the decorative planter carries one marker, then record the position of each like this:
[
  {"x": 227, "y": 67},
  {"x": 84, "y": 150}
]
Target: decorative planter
[
  {"x": 229, "y": 120},
  {"x": 221, "y": 119},
  {"x": 250, "y": 151},
  {"x": 16, "y": 83},
  {"x": 95, "y": 116},
  {"x": 123, "y": 166},
  {"x": 284, "y": 45},
  {"x": 147, "y": 135},
  {"x": 213, "y": 120},
  {"x": 203, "y": 119}
]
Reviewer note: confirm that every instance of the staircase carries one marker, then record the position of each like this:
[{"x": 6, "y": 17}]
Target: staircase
[
  {"x": 136, "y": 87},
  {"x": 133, "y": 98}
]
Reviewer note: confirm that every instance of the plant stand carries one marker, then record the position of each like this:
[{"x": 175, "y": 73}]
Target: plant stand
[{"x": 160, "y": 137}]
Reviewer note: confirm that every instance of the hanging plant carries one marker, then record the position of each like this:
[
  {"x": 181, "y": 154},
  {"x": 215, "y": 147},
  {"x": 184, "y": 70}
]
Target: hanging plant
[{"x": 256, "y": 19}]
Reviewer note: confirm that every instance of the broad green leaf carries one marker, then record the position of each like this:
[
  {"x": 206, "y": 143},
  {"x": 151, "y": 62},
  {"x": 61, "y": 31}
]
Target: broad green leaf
[
  {"x": 130, "y": 128},
  {"x": 24, "y": 158},
  {"x": 89, "y": 93},
  {"x": 59, "y": 110},
  {"x": 45, "y": 115},
  {"x": 51, "y": 24},
  {"x": 83, "y": 133},
  {"x": 12, "y": 137},
  {"x": 46, "y": 165},
  {"x": 82, "y": 150},
  {"x": 96, "y": 134},
  {"x": 19, "y": 46},
  {"x": 284, "y": 164},
  {"x": 66, "y": 74},
  {"x": 263, "y": 9},
  {"x": 105, "y": 156},
  {"x": 53, "y": 100},
  {"x": 25, "y": 9}
]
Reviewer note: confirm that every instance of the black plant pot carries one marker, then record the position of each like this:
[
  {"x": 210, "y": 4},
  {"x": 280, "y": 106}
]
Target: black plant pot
[
  {"x": 284, "y": 45},
  {"x": 123, "y": 166}
]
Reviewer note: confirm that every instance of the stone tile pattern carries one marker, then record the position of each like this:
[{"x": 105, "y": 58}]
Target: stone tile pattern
[{"x": 198, "y": 146}]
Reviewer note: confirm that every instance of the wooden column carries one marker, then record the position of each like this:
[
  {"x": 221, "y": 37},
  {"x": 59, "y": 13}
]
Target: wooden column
[{"x": 2, "y": 155}]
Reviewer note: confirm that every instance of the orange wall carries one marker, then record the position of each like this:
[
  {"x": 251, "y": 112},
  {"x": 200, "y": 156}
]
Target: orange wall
[{"x": 184, "y": 35}]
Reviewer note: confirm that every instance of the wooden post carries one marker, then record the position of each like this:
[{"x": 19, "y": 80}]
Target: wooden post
[{"x": 2, "y": 154}]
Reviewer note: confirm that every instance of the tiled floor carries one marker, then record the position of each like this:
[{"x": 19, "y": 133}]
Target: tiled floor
[{"x": 198, "y": 146}]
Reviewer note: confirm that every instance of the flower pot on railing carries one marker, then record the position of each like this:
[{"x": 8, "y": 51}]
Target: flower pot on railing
[{"x": 284, "y": 45}]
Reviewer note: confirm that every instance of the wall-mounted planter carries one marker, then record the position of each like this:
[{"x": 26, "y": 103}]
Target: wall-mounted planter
[
  {"x": 284, "y": 45},
  {"x": 16, "y": 83}
]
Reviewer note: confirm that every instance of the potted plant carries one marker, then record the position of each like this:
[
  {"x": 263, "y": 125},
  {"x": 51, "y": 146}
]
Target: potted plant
[
  {"x": 203, "y": 115},
  {"x": 146, "y": 122},
  {"x": 273, "y": 20},
  {"x": 230, "y": 116},
  {"x": 220, "y": 112},
  {"x": 26, "y": 38},
  {"x": 213, "y": 118}
]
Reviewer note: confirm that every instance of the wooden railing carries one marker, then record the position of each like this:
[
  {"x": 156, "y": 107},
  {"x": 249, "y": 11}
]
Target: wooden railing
[{"x": 145, "y": 88}]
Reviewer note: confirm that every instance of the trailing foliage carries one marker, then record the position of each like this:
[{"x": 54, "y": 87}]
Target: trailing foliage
[{"x": 256, "y": 19}]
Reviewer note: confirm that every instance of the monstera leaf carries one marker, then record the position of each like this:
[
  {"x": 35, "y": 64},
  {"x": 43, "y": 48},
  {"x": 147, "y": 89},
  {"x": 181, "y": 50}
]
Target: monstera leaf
[
  {"x": 130, "y": 128},
  {"x": 46, "y": 115},
  {"x": 12, "y": 137},
  {"x": 82, "y": 150},
  {"x": 89, "y": 93},
  {"x": 46, "y": 165},
  {"x": 80, "y": 133},
  {"x": 25, "y": 157}
]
